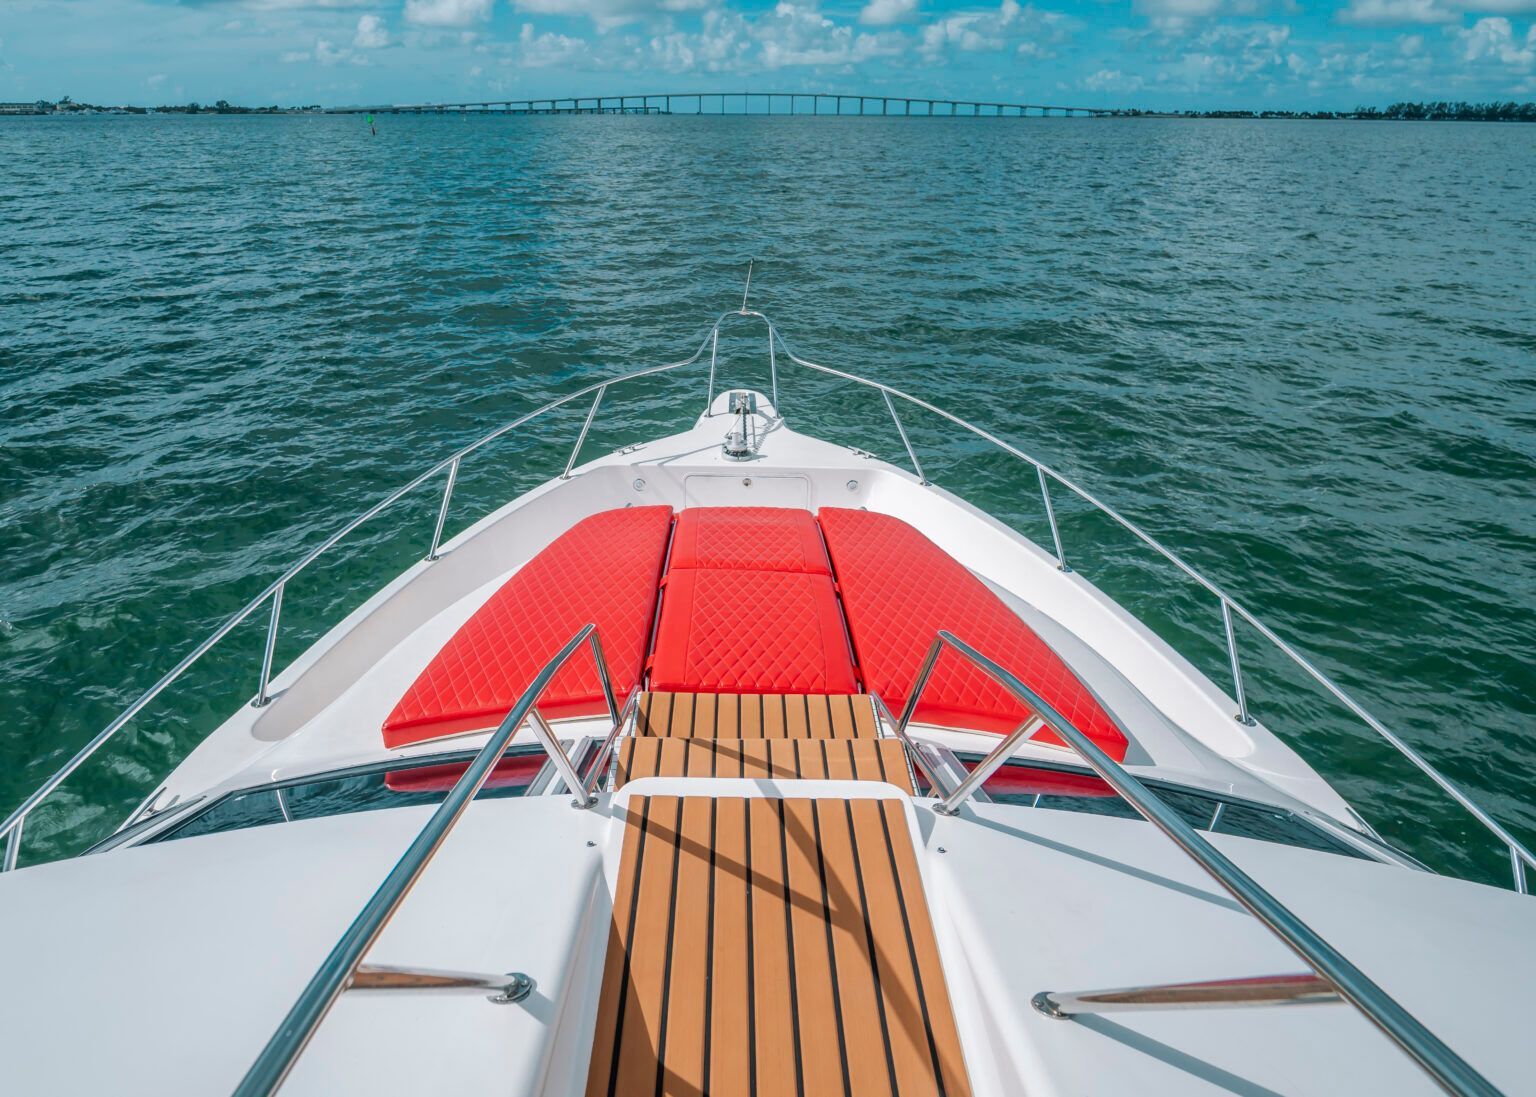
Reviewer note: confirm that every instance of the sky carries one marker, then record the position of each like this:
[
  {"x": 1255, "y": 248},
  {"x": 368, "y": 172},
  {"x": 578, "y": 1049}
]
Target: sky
[{"x": 1156, "y": 54}]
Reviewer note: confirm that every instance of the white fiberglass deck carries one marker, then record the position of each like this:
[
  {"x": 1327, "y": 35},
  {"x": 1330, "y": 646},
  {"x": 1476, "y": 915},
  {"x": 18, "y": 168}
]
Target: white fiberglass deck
[{"x": 1022, "y": 900}]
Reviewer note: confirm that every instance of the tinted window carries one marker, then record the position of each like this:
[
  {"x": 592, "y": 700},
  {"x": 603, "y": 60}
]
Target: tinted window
[
  {"x": 1030, "y": 785},
  {"x": 372, "y": 789}
]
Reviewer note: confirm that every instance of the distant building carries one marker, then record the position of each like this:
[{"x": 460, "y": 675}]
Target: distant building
[{"x": 42, "y": 106}]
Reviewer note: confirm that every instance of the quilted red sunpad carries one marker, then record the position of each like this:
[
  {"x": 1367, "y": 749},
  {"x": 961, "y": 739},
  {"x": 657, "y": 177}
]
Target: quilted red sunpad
[
  {"x": 899, "y": 589},
  {"x": 605, "y": 569}
]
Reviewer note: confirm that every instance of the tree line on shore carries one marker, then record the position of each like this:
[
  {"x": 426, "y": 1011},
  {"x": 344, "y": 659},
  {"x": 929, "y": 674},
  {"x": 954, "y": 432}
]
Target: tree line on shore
[
  {"x": 1440, "y": 111},
  {"x": 67, "y": 105}
]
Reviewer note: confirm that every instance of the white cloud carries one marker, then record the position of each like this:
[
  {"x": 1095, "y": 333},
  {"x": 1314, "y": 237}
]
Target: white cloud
[
  {"x": 1114, "y": 80},
  {"x": 799, "y": 35},
  {"x": 1393, "y": 13},
  {"x": 790, "y": 35},
  {"x": 156, "y": 80},
  {"x": 1229, "y": 53},
  {"x": 607, "y": 14},
  {"x": 327, "y": 53},
  {"x": 541, "y": 51},
  {"x": 724, "y": 44},
  {"x": 446, "y": 13},
  {"x": 1493, "y": 39},
  {"x": 1179, "y": 16},
  {"x": 371, "y": 34},
  {"x": 1499, "y": 7},
  {"x": 882, "y": 13},
  {"x": 300, "y": 5},
  {"x": 976, "y": 31}
]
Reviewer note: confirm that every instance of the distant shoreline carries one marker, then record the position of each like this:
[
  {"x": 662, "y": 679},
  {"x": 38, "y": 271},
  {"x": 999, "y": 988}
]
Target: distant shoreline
[{"x": 1397, "y": 112}]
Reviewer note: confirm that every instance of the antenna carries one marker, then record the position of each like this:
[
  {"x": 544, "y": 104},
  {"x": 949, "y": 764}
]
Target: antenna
[{"x": 749, "y": 285}]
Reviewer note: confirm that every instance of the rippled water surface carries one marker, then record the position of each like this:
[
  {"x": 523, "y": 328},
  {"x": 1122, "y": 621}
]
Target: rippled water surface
[{"x": 1301, "y": 354}]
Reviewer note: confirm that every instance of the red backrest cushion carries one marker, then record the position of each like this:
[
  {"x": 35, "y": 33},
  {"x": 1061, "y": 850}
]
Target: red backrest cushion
[
  {"x": 899, "y": 589},
  {"x": 605, "y": 569},
  {"x": 508, "y": 773},
  {"x": 758, "y": 538}
]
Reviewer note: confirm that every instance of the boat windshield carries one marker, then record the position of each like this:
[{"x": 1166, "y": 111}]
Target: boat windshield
[{"x": 374, "y": 787}]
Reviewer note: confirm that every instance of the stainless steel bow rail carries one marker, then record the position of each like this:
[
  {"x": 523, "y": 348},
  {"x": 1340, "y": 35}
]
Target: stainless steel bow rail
[
  {"x": 1447, "y": 1068},
  {"x": 341, "y": 969},
  {"x": 1519, "y": 856}
]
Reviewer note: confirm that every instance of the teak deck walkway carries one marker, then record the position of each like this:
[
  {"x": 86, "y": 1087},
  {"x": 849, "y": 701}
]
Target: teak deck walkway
[
  {"x": 806, "y": 737},
  {"x": 771, "y": 947}
]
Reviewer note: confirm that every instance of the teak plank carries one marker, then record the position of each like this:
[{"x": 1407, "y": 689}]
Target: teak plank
[
  {"x": 751, "y": 723},
  {"x": 840, "y": 759},
  {"x": 818, "y": 715},
  {"x": 776, "y": 1049},
  {"x": 900, "y": 990},
  {"x": 648, "y": 954},
  {"x": 817, "y": 1019},
  {"x": 685, "y": 1009},
  {"x": 705, "y": 716},
  {"x": 728, "y": 716},
  {"x": 655, "y": 714},
  {"x": 946, "y": 1038},
  {"x": 862, "y": 710},
  {"x": 729, "y": 942},
  {"x": 870, "y": 1071},
  {"x": 615, "y": 970}
]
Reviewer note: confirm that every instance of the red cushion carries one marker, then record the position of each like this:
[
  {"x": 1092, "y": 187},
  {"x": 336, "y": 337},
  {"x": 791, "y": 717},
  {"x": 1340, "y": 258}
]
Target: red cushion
[
  {"x": 1013, "y": 780},
  {"x": 760, "y": 538},
  {"x": 509, "y": 773},
  {"x": 899, "y": 589},
  {"x": 743, "y": 631},
  {"x": 604, "y": 569}
]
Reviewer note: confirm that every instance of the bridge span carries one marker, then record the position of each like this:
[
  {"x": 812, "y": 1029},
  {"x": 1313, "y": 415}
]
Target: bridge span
[{"x": 743, "y": 102}]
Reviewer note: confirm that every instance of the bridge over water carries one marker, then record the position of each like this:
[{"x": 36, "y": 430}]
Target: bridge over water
[{"x": 742, "y": 102}]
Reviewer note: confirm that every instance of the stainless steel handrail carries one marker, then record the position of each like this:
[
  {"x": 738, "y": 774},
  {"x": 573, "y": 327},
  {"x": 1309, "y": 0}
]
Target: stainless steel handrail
[
  {"x": 1520, "y": 856},
  {"x": 1442, "y": 1064},
  {"x": 934, "y": 777},
  {"x": 1304, "y": 989},
  {"x": 338, "y": 969},
  {"x": 600, "y": 757},
  {"x": 511, "y": 987},
  {"x": 10, "y": 830}
]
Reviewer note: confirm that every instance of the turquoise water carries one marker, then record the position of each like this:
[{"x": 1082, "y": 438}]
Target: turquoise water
[{"x": 1301, "y": 354}]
